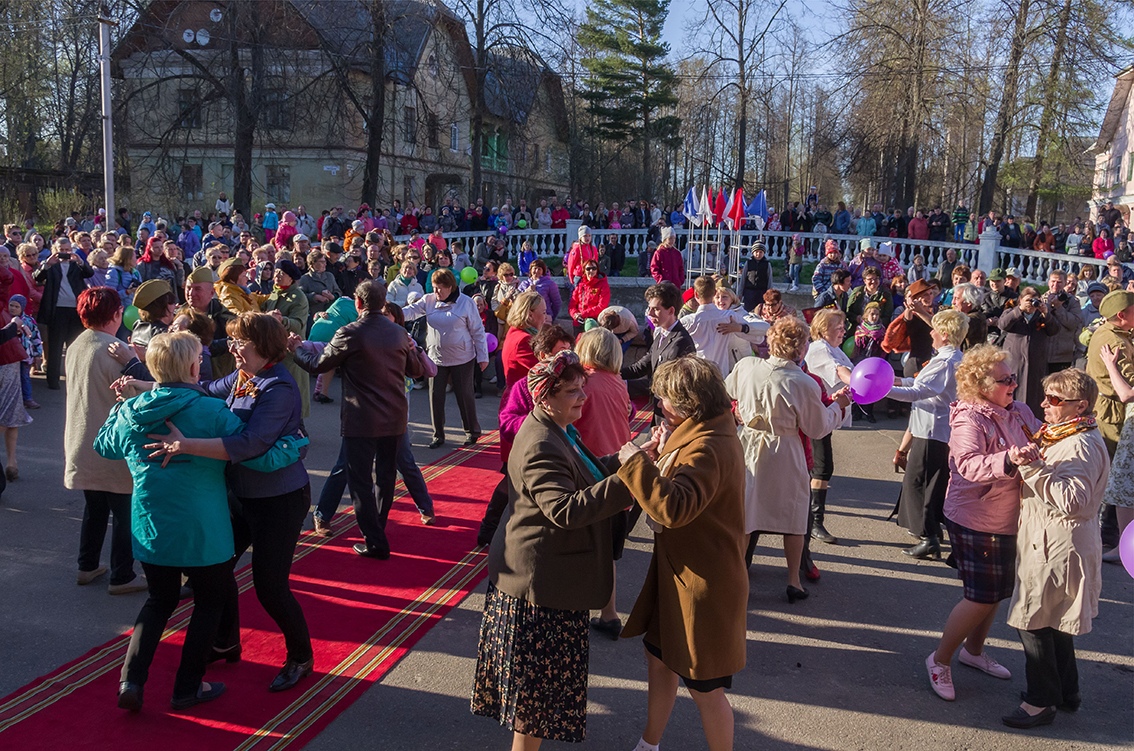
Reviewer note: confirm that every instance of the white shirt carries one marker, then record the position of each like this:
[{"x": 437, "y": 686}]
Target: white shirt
[
  {"x": 66, "y": 297},
  {"x": 824, "y": 359},
  {"x": 931, "y": 392},
  {"x": 456, "y": 333},
  {"x": 716, "y": 347}
]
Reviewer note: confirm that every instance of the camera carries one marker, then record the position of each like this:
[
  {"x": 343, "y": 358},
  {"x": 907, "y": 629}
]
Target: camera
[
  {"x": 65, "y": 256},
  {"x": 1063, "y": 297}
]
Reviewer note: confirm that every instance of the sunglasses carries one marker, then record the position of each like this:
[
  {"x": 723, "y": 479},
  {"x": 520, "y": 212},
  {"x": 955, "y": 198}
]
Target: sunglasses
[
  {"x": 1008, "y": 380},
  {"x": 1057, "y": 401}
]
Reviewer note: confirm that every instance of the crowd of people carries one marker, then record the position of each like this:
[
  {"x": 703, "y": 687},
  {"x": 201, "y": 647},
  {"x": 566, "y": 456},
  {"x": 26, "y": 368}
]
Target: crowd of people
[{"x": 194, "y": 357}]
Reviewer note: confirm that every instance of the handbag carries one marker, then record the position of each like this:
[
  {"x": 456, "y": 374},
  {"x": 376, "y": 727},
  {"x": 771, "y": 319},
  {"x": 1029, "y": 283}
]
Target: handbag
[
  {"x": 502, "y": 310},
  {"x": 897, "y": 338}
]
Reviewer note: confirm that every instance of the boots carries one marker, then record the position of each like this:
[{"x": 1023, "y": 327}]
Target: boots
[
  {"x": 929, "y": 547},
  {"x": 807, "y": 567},
  {"x": 818, "y": 509}
]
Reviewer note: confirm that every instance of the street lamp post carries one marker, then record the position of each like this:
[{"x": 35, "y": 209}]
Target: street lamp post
[{"x": 105, "y": 22}]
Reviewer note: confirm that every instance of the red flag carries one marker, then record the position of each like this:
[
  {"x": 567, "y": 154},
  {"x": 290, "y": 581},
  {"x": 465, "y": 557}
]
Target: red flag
[
  {"x": 719, "y": 206},
  {"x": 736, "y": 209}
]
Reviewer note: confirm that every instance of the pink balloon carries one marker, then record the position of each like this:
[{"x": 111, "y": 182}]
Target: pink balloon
[
  {"x": 1126, "y": 548},
  {"x": 492, "y": 342},
  {"x": 871, "y": 380}
]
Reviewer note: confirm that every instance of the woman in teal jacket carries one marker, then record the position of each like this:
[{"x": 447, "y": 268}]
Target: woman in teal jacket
[{"x": 179, "y": 516}]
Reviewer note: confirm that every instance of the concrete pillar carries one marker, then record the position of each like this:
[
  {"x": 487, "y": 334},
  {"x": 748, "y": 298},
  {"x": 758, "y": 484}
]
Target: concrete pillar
[
  {"x": 572, "y": 234},
  {"x": 988, "y": 257}
]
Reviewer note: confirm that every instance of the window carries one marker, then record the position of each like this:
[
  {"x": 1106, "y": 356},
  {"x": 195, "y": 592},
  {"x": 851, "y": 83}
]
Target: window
[
  {"x": 433, "y": 68},
  {"x": 433, "y": 131},
  {"x": 409, "y": 193},
  {"x": 535, "y": 155},
  {"x": 547, "y": 155},
  {"x": 494, "y": 152},
  {"x": 278, "y": 186},
  {"x": 520, "y": 154},
  {"x": 410, "y": 125},
  {"x": 192, "y": 182},
  {"x": 1130, "y": 167},
  {"x": 188, "y": 112},
  {"x": 274, "y": 113},
  {"x": 454, "y": 138}
]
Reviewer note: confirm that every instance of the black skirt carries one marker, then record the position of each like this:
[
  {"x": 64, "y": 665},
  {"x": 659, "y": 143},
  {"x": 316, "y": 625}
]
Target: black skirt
[{"x": 531, "y": 668}]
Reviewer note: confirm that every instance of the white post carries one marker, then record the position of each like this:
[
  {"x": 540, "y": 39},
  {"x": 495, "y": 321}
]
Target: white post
[
  {"x": 988, "y": 257},
  {"x": 105, "y": 22}
]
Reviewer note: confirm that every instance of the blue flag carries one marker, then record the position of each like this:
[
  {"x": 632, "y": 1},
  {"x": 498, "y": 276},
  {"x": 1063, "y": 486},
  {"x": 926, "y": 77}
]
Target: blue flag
[
  {"x": 690, "y": 207},
  {"x": 758, "y": 206}
]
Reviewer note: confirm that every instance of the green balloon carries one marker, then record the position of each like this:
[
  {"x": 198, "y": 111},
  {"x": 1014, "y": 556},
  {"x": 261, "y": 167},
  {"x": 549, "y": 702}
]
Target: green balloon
[
  {"x": 130, "y": 317},
  {"x": 468, "y": 275}
]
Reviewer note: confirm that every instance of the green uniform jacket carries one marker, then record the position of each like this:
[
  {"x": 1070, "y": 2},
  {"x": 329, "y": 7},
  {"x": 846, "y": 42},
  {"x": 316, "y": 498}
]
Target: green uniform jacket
[
  {"x": 292, "y": 305},
  {"x": 1109, "y": 411}
]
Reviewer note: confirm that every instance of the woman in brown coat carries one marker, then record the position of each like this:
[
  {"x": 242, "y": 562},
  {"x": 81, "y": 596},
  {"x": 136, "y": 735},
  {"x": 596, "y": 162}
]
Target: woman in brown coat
[{"x": 693, "y": 605}]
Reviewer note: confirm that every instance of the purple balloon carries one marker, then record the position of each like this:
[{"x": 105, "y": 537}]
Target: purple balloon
[
  {"x": 492, "y": 342},
  {"x": 871, "y": 380},
  {"x": 1126, "y": 548}
]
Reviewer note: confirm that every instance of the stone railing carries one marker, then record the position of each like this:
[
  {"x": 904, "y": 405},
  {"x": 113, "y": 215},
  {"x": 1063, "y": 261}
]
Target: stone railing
[{"x": 1034, "y": 266}]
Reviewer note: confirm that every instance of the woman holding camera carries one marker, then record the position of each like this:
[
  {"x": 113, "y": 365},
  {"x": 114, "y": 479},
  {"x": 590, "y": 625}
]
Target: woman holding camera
[{"x": 1026, "y": 328}]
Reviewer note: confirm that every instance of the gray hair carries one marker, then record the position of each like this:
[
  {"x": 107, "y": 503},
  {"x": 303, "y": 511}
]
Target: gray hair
[{"x": 970, "y": 293}]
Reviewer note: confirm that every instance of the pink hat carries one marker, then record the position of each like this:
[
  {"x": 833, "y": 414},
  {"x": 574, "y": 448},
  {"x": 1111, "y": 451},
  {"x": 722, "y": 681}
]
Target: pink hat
[{"x": 290, "y": 217}]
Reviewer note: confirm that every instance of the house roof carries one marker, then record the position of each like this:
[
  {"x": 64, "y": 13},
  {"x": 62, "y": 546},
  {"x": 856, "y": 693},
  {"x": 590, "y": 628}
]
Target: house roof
[{"x": 1118, "y": 104}]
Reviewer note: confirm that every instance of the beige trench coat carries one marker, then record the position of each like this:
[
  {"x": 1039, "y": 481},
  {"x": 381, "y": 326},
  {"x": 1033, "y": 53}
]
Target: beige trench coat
[
  {"x": 775, "y": 400},
  {"x": 1058, "y": 551}
]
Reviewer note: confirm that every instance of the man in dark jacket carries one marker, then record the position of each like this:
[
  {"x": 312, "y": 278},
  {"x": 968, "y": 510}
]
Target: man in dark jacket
[
  {"x": 63, "y": 276},
  {"x": 1010, "y": 235},
  {"x": 671, "y": 341},
  {"x": 374, "y": 356},
  {"x": 756, "y": 279}
]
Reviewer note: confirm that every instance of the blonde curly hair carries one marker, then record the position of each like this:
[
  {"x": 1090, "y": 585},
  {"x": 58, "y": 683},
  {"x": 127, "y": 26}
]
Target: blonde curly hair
[
  {"x": 788, "y": 338},
  {"x": 974, "y": 374}
]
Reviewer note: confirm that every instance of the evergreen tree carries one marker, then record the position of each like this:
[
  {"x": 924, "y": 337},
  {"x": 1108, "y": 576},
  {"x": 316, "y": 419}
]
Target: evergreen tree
[{"x": 629, "y": 85}]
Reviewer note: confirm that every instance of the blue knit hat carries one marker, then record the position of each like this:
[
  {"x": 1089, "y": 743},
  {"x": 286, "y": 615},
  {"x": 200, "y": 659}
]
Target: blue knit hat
[{"x": 23, "y": 301}]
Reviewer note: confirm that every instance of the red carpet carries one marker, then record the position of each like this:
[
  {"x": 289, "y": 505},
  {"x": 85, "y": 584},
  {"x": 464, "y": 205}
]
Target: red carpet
[{"x": 364, "y": 615}]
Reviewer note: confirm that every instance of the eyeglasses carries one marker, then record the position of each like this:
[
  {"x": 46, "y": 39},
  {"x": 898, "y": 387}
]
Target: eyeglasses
[
  {"x": 237, "y": 343},
  {"x": 1057, "y": 401},
  {"x": 509, "y": 276},
  {"x": 1008, "y": 380}
]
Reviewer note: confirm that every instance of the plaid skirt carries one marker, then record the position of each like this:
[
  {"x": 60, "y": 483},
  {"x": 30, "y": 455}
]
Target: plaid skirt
[
  {"x": 531, "y": 668},
  {"x": 986, "y": 563}
]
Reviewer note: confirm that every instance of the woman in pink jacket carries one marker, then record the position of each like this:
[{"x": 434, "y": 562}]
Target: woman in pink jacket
[
  {"x": 667, "y": 264},
  {"x": 990, "y": 437},
  {"x": 581, "y": 252},
  {"x": 1103, "y": 246}
]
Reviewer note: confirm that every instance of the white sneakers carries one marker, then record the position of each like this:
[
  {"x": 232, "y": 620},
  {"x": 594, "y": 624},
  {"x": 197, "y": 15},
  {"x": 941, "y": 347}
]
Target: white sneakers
[
  {"x": 940, "y": 678},
  {"x": 984, "y": 663}
]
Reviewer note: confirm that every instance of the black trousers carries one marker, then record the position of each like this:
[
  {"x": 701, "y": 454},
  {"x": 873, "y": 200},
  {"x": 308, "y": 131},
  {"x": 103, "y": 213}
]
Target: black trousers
[
  {"x": 371, "y": 460},
  {"x": 1053, "y": 676},
  {"x": 64, "y": 328},
  {"x": 495, "y": 510},
  {"x": 271, "y": 526},
  {"x": 462, "y": 379},
  {"x": 213, "y": 586},
  {"x": 96, "y": 515},
  {"x": 922, "y": 503}
]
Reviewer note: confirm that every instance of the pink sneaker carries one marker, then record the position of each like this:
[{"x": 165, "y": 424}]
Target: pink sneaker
[
  {"x": 940, "y": 678},
  {"x": 984, "y": 663}
]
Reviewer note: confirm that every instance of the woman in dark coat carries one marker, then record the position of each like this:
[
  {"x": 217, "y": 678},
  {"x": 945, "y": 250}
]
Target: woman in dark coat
[
  {"x": 550, "y": 564},
  {"x": 757, "y": 277},
  {"x": 1025, "y": 332}
]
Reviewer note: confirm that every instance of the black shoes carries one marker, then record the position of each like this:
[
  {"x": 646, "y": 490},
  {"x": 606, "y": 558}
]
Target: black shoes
[
  {"x": 1022, "y": 720},
  {"x": 612, "y": 628},
  {"x": 437, "y": 443},
  {"x": 820, "y": 533},
  {"x": 213, "y": 692},
  {"x": 232, "y": 654},
  {"x": 130, "y": 696},
  {"x": 472, "y": 439},
  {"x": 1068, "y": 705},
  {"x": 794, "y": 594},
  {"x": 290, "y": 674},
  {"x": 366, "y": 551},
  {"x": 929, "y": 547}
]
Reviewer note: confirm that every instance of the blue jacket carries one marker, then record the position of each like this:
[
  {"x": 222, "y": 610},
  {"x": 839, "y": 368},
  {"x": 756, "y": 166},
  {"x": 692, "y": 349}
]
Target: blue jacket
[{"x": 179, "y": 514}]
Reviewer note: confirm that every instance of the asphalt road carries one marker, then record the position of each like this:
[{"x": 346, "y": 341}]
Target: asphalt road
[{"x": 842, "y": 670}]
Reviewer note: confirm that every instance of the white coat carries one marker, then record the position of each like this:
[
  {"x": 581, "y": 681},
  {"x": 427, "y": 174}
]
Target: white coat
[
  {"x": 775, "y": 400},
  {"x": 1058, "y": 550}
]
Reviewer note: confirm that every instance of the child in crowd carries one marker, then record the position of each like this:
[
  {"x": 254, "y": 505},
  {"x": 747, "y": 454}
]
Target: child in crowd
[
  {"x": 795, "y": 263},
  {"x": 33, "y": 346},
  {"x": 868, "y": 337},
  {"x": 527, "y": 255},
  {"x": 461, "y": 259}
]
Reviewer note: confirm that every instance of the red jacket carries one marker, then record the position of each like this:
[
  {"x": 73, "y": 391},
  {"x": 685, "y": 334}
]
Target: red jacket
[
  {"x": 591, "y": 297},
  {"x": 577, "y": 257},
  {"x": 668, "y": 266},
  {"x": 918, "y": 229},
  {"x": 559, "y": 218},
  {"x": 10, "y": 351}
]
